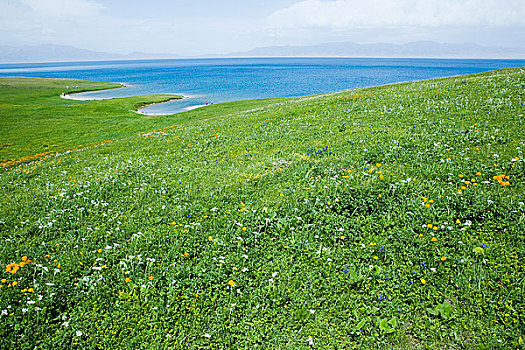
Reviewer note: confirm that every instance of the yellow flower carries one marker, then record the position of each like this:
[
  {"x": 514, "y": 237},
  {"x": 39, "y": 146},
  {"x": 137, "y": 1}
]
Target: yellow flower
[
  {"x": 4, "y": 280},
  {"x": 14, "y": 283},
  {"x": 100, "y": 250},
  {"x": 460, "y": 175},
  {"x": 342, "y": 237},
  {"x": 231, "y": 283},
  {"x": 127, "y": 280},
  {"x": 22, "y": 264},
  {"x": 431, "y": 201},
  {"x": 375, "y": 258},
  {"x": 24, "y": 258},
  {"x": 427, "y": 205},
  {"x": 31, "y": 290},
  {"x": 381, "y": 177},
  {"x": 443, "y": 258},
  {"x": 434, "y": 239},
  {"x": 210, "y": 238},
  {"x": 244, "y": 228},
  {"x": 429, "y": 225},
  {"x": 150, "y": 278},
  {"x": 478, "y": 173},
  {"x": 423, "y": 281},
  {"x": 435, "y": 228}
]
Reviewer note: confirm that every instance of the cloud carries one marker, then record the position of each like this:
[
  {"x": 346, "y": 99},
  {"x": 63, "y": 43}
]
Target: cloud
[{"x": 345, "y": 14}]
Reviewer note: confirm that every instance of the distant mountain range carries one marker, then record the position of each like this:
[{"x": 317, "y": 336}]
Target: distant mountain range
[
  {"x": 59, "y": 53},
  {"x": 424, "y": 49}
]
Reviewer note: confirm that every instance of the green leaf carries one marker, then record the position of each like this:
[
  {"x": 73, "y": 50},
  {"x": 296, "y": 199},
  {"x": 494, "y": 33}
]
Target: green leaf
[
  {"x": 383, "y": 325},
  {"x": 479, "y": 251},
  {"x": 393, "y": 322},
  {"x": 360, "y": 325}
]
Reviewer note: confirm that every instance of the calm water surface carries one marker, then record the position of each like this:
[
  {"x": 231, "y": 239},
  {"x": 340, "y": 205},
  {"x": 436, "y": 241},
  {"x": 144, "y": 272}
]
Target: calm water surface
[{"x": 230, "y": 79}]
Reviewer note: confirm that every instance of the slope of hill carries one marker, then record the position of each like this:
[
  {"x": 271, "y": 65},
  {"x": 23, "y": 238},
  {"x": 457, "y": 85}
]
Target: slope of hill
[{"x": 386, "y": 217}]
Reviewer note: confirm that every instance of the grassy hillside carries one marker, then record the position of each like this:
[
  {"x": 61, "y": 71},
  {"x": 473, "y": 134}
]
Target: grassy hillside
[{"x": 388, "y": 217}]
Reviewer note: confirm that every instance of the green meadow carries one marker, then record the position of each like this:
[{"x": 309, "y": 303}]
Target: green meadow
[{"x": 388, "y": 217}]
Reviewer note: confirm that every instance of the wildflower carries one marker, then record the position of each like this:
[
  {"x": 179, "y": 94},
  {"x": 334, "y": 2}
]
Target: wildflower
[
  {"x": 127, "y": 280},
  {"x": 206, "y": 335},
  {"x": 483, "y": 245},
  {"x": 345, "y": 270},
  {"x": 423, "y": 281},
  {"x": 375, "y": 257},
  {"x": 3, "y": 280},
  {"x": 24, "y": 258},
  {"x": 427, "y": 205},
  {"x": 443, "y": 258},
  {"x": 14, "y": 283},
  {"x": 151, "y": 278},
  {"x": 30, "y": 290},
  {"x": 434, "y": 239},
  {"x": 310, "y": 341},
  {"x": 210, "y": 238},
  {"x": 231, "y": 283},
  {"x": 430, "y": 225}
]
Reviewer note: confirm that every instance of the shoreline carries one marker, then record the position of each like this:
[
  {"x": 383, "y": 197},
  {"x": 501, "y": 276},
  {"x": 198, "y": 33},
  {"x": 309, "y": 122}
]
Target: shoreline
[{"x": 70, "y": 96}]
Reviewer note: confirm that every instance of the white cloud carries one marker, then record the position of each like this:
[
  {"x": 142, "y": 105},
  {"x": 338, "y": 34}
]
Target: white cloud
[{"x": 345, "y": 14}]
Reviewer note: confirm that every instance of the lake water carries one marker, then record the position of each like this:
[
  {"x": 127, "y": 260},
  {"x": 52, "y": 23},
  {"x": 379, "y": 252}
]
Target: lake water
[{"x": 229, "y": 79}]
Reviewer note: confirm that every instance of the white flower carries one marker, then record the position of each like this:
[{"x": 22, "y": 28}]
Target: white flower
[
  {"x": 25, "y": 310},
  {"x": 78, "y": 333},
  {"x": 206, "y": 335},
  {"x": 310, "y": 341},
  {"x": 30, "y": 301},
  {"x": 274, "y": 274},
  {"x": 312, "y": 312}
]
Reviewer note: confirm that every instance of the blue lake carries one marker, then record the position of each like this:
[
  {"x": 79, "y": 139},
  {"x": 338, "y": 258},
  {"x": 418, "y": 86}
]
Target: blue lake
[{"x": 218, "y": 80}]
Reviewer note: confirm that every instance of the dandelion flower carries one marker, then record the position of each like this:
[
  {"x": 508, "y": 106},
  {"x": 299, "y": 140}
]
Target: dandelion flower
[
  {"x": 24, "y": 258},
  {"x": 3, "y": 280},
  {"x": 14, "y": 283},
  {"x": 434, "y": 239},
  {"x": 231, "y": 283},
  {"x": 443, "y": 258},
  {"x": 423, "y": 281},
  {"x": 127, "y": 280},
  {"x": 151, "y": 278},
  {"x": 210, "y": 238}
]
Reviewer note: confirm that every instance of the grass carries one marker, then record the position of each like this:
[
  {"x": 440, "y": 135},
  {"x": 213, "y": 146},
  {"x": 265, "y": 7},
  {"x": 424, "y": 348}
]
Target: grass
[{"x": 386, "y": 217}]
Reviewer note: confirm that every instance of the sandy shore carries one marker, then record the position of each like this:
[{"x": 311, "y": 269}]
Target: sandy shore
[{"x": 78, "y": 97}]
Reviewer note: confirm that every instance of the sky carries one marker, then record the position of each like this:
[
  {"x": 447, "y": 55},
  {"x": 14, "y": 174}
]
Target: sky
[{"x": 200, "y": 27}]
